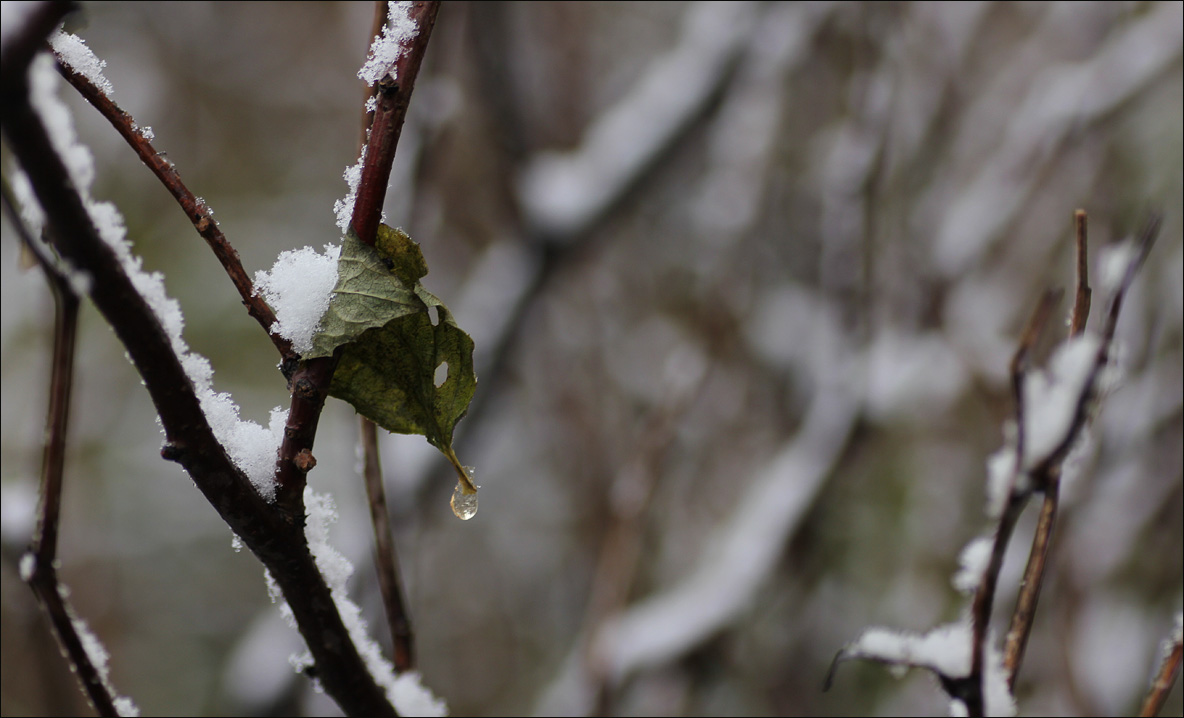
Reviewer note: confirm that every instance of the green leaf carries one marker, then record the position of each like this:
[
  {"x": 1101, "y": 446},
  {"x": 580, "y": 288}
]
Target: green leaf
[{"x": 381, "y": 316}]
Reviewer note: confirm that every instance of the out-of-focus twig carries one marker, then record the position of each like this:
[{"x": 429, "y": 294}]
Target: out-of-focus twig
[
  {"x": 1165, "y": 677},
  {"x": 1030, "y": 587},
  {"x": 39, "y": 565},
  {"x": 1081, "y": 300},
  {"x": 195, "y": 209},
  {"x": 385, "y": 558},
  {"x": 984, "y": 596},
  {"x": 1046, "y": 472}
]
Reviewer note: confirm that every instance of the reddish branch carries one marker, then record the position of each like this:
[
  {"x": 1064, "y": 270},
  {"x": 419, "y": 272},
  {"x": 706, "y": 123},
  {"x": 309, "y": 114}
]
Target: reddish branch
[
  {"x": 1024, "y": 614},
  {"x": 984, "y": 596},
  {"x": 1165, "y": 678},
  {"x": 386, "y": 561},
  {"x": 387, "y": 564},
  {"x": 196, "y": 210},
  {"x": 43, "y": 578},
  {"x": 310, "y": 382},
  {"x": 1046, "y": 474}
]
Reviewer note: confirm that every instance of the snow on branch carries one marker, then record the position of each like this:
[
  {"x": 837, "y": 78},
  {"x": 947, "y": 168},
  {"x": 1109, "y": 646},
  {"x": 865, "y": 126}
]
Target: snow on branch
[
  {"x": 565, "y": 192},
  {"x": 251, "y": 446},
  {"x": 388, "y": 47},
  {"x": 1052, "y": 410}
]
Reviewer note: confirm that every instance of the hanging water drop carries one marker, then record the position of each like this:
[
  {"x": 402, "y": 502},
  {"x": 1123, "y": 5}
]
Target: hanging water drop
[{"x": 464, "y": 499}]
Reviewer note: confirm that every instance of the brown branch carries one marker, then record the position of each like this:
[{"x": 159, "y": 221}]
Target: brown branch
[
  {"x": 310, "y": 382},
  {"x": 1046, "y": 475},
  {"x": 385, "y": 559},
  {"x": 1024, "y": 614},
  {"x": 393, "y": 99},
  {"x": 277, "y": 539},
  {"x": 1081, "y": 301},
  {"x": 1165, "y": 678},
  {"x": 984, "y": 596},
  {"x": 196, "y": 210},
  {"x": 41, "y": 559}
]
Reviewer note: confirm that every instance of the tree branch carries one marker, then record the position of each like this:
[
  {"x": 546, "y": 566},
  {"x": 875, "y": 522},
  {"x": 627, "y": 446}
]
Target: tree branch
[
  {"x": 1024, "y": 613},
  {"x": 310, "y": 382},
  {"x": 277, "y": 538},
  {"x": 39, "y": 564},
  {"x": 1165, "y": 677},
  {"x": 984, "y": 596},
  {"x": 196, "y": 210}
]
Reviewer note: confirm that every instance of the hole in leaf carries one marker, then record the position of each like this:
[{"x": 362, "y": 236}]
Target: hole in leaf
[
  {"x": 435, "y": 315},
  {"x": 441, "y": 374}
]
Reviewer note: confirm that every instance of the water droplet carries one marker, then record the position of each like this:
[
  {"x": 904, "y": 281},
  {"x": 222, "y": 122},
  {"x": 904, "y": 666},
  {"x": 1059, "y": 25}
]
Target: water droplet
[{"x": 464, "y": 505}]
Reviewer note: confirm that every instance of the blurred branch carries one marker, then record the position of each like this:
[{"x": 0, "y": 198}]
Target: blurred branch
[
  {"x": 564, "y": 194},
  {"x": 984, "y": 597},
  {"x": 39, "y": 565},
  {"x": 1081, "y": 301},
  {"x": 1045, "y": 474},
  {"x": 386, "y": 560},
  {"x": 1025, "y": 608},
  {"x": 1165, "y": 677},
  {"x": 196, "y": 210}
]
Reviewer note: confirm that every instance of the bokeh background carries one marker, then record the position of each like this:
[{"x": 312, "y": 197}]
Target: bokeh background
[{"x": 744, "y": 281}]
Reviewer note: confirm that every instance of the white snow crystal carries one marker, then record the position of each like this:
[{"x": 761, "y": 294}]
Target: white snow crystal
[
  {"x": 1113, "y": 261},
  {"x": 973, "y": 564},
  {"x": 946, "y": 650},
  {"x": 344, "y": 208},
  {"x": 252, "y": 447},
  {"x": 74, "y": 53},
  {"x": 298, "y": 288},
  {"x": 1051, "y": 398},
  {"x": 405, "y": 691},
  {"x": 387, "y": 48},
  {"x": 28, "y": 566}
]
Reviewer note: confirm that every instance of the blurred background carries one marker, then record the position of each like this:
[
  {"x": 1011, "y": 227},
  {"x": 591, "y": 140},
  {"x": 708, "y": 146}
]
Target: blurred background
[{"x": 744, "y": 281}]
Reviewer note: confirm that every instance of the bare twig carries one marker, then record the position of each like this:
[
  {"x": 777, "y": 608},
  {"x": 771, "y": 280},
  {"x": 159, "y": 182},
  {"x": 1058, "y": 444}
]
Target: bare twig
[
  {"x": 1081, "y": 301},
  {"x": 386, "y": 560},
  {"x": 41, "y": 560},
  {"x": 1029, "y": 594},
  {"x": 984, "y": 597},
  {"x": 1044, "y": 475},
  {"x": 195, "y": 209},
  {"x": 1165, "y": 677}
]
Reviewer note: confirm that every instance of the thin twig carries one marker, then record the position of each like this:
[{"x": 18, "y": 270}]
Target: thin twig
[
  {"x": 984, "y": 597},
  {"x": 310, "y": 382},
  {"x": 1029, "y": 594},
  {"x": 1165, "y": 678},
  {"x": 43, "y": 549},
  {"x": 386, "y": 560},
  {"x": 195, "y": 209},
  {"x": 1081, "y": 301}
]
